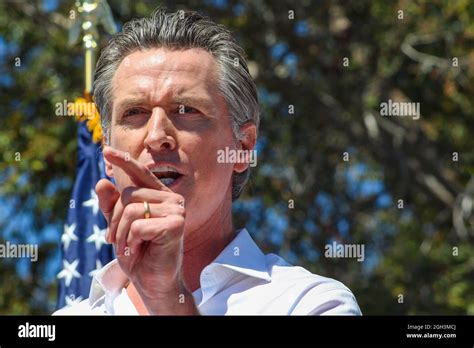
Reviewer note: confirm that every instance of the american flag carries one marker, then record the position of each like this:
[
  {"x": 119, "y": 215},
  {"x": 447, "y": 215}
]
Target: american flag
[{"x": 84, "y": 250}]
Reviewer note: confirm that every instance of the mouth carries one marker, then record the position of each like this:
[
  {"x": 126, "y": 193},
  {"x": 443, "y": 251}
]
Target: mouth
[{"x": 168, "y": 175}]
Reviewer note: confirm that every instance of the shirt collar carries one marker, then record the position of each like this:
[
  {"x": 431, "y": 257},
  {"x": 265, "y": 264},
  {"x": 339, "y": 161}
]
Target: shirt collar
[
  {"x": 242, "y": 255},
  {"x": 107, "y": 284}
]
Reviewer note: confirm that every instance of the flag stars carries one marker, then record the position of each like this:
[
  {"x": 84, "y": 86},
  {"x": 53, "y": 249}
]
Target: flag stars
[
  {"x": 69, "y": 271},
  {"x": 71, "y": 299},
  {"x": 97, "y": 237},
  {"x": 93, "y": 202},
  {"x": 68, "y": 235}
]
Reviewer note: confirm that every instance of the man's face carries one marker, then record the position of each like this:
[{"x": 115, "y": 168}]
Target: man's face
[{"x": 167, "y": 112}]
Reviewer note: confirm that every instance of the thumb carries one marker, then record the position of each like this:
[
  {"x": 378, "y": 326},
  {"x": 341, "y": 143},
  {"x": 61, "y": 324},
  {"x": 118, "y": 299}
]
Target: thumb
[{"x": 108, "y": 196}]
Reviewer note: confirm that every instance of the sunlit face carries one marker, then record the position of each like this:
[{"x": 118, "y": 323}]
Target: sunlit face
[{"x": 167, "y": 112}]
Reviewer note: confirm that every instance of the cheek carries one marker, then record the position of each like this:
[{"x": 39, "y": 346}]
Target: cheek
[
  {"x": 127, "y": 140},
  {"x": 121, "y": 140},
  {"x": 207, "y": 171}
]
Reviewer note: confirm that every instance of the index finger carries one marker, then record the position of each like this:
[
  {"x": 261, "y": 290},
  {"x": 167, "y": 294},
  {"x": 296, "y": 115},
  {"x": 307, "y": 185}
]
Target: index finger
[{"x": 140, "y": 175}]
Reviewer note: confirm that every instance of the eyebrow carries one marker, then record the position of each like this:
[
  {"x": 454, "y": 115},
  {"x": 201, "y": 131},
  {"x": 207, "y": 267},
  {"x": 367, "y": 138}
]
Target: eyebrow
[
  {"x": 128, "y": 102},
  {"x": 195, "y": 101},
  {"x": 198, "y": 102}
]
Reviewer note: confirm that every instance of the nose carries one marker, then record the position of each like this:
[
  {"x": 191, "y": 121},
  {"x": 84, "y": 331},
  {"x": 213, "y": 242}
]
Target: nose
[{"x": 159, "y": 130}]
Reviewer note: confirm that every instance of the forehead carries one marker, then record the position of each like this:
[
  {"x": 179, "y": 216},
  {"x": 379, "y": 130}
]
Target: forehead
[{"x": 160, "y": 72}]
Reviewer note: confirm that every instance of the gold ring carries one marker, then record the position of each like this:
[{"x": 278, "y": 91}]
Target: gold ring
[{"x": 147, "y": 210}]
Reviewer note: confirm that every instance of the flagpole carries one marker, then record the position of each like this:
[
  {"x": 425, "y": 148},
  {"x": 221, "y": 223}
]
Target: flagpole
[
  {"x": 91, "y": 13},
  {"x": 89, "y": 63},
  {"x": 88, "y": 8}
]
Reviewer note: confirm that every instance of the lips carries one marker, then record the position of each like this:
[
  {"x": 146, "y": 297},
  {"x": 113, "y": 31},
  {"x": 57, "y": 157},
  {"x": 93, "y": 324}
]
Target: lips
[{"x": 168, "y": 175}]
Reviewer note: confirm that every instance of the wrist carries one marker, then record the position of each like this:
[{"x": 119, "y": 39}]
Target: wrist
[{"x": 174, "y": 299}]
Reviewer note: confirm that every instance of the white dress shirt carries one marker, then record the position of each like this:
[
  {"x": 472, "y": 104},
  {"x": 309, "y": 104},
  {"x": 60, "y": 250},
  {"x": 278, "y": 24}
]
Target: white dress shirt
[{"x": 240, "y": 281}]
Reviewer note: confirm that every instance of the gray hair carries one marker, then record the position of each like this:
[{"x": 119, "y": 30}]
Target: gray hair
[{"x": 179, "y": 31}]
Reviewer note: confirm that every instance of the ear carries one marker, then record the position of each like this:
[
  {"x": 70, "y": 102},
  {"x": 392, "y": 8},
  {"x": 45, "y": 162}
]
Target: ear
[
  {"x": 108, "y": 166},
  {"x": 249, "y": 139}
]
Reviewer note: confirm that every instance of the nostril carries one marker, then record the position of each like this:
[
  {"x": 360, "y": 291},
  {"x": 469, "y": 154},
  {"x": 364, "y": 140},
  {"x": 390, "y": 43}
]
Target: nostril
[{"x": 159, "y": 140}]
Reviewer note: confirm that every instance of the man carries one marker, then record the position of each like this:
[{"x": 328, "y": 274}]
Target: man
[{"x": 173, "y": 90}]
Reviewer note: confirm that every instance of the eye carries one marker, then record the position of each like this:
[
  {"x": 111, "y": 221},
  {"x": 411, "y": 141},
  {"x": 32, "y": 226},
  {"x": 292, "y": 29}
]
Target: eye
[
  {"x": 183, "y": 109},
  {"x": 133, "y": 112}
]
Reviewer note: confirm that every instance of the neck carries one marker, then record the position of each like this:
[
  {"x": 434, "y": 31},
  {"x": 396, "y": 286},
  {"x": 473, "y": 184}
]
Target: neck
[{"x": 203, "y": 245}]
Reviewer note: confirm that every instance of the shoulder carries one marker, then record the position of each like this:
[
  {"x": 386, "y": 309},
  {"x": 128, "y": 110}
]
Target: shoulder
[{"x": 312, "y": 294}]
